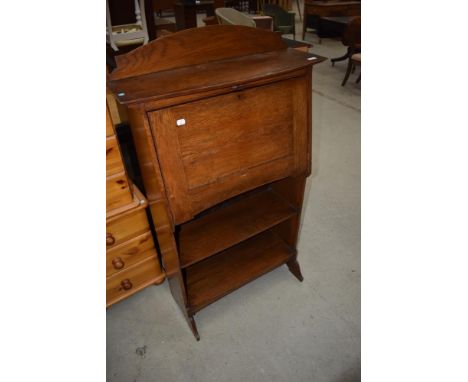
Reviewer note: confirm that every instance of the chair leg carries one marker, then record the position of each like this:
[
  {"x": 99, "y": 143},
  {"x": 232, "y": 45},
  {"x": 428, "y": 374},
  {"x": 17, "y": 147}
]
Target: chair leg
[
  {"x": 341, "y": 58},
  {"x": 299, "y": 9},
  {"x": 359, "y": 78},
  {"x": 348, "y": 72}
]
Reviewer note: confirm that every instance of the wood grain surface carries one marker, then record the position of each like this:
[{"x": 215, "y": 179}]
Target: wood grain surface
[
  {"x": 114, "y": 163},
  {"x": 231, "y": 143},
  {"x": 118, "y": 192},
  {"x": 229, "y": 225},
  {"x": 122, "y": 256},
  {"x": 211, "y": 279},
  {"x": 190, "y": 47},
  {"x": 231, "y": 73},
  {"x": 126, "y": 226},
  {"x": 132, "y": 280}
]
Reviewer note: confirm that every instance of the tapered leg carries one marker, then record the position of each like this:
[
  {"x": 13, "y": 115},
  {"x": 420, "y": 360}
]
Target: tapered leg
[
  {"x": 294, "y": 268},
  {"x": 193, "y": 326},
  {"x": 348, "y": 72},
  {"x": 359, "y": 78}
]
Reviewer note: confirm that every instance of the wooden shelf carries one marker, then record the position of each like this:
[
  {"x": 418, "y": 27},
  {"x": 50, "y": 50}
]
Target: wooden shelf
[
  {"x": 213, "y": 278},
  {"x": 231, "y": 224}
]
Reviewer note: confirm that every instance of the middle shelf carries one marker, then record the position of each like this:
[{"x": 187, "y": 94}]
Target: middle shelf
[{"x": 229, "y": 225}]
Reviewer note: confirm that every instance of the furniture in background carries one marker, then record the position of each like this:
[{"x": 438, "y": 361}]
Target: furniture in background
[
  {"x": 285, "y": 4},
  {"x": 353, "y": 61},
  {"x": 315, "y": 9},
  {"x": 283, "y": 21},
  {"x": 210, "y": 20},
  {"x": 301, "y": 46},
  {"x": 213, "y": 20},
  {"x": 127, "y": 34},
  {"x": 131, "y": 259},
  {"x": 351, "y": 40},
  {"x": 160, "y": 6},
  {"x": 229, "y": 16},
  {"x": 163, "y": 25},
  {"x": 333, "y": 26},
  {"x": 263, "y": 22},
  {"x": 218, "y": 3},
  {"x": 123, "y": 12},
  {"x": 186, "y": 12},
  {"x": 223, "y": 139}
]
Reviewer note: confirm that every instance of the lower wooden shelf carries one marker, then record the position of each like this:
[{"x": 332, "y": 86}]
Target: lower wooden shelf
[{"x": 215, "y": 277}]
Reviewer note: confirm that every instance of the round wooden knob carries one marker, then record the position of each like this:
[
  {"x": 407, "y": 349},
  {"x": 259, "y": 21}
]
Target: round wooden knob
[
  {"x": 110, "y": 240},
  {"x": 118, "y": 263},
  {"x": 126, "y": 284}
]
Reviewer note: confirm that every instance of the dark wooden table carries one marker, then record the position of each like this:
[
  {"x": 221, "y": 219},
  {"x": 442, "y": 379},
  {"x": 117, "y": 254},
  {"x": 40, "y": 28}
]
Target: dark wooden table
[
  {"x": 316, "y": 10},
  {"x": 343, "y": 20},
  {"x": 333, "y": 26},
  {"x": 342, "y": 23}
]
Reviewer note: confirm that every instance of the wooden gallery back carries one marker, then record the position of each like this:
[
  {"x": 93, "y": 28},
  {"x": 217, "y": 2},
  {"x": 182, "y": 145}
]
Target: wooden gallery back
[{"x": 221, "y": 120}]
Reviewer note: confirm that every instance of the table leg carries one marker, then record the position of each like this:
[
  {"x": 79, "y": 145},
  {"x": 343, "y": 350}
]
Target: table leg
[{"x": 304, "y": 26}]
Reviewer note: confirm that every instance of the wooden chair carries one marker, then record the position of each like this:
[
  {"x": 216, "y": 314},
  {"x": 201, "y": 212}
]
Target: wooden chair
[
  {"x": 283, "y": 21},
  {"x": 354, "y": 60},
  {"x": 128, "y": 34},
  {"x": 351, "y": 39}
]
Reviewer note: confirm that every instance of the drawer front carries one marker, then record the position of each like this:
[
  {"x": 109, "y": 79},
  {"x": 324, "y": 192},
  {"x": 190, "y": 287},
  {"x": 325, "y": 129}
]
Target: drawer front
[
  {"x": 130, "y": 281},
  {"x": 216, "y": 148},
  {"x": 126, "y": 227},
  {"x": 118, "y": 191},
  {"x": 129, "y": 253},
  {"x": 114, "y": 163}
]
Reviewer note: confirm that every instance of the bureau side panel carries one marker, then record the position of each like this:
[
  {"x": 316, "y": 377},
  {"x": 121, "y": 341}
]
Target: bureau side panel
[{"x": 156, "y": 195}]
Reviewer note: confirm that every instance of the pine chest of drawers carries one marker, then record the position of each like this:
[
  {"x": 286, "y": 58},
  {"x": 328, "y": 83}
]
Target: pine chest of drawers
[{"x": 132, "y": 262}]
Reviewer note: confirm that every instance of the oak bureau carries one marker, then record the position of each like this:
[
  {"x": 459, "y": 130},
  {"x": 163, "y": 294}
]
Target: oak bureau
[{"x": 221, "y": 119}]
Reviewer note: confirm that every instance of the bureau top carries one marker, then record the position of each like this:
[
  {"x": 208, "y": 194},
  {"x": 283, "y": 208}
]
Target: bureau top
[{"x": 202, "y": 59}]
